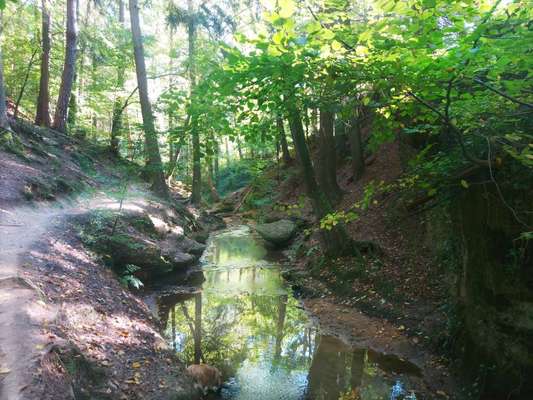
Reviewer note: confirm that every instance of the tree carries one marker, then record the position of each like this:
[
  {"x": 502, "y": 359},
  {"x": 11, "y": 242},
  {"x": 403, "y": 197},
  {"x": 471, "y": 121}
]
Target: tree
[
  {"x": 196, "y": 196},
  {"x": 69, "y": 68},
  {"x": 154, "y": 167},
  {"x": 283, "y": 141},
  {"x": 356, "y": 147},
  {"x": 118, "y": 108},
  {"x": 327, "y": 155},
  {"x": 335, "y": 240},
  {"x": 4, "y": 123},
  {"x": 43, "y": 101}
]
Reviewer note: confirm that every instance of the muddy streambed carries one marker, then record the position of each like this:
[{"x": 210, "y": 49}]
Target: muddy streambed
[{"x": 242, "y": 318}]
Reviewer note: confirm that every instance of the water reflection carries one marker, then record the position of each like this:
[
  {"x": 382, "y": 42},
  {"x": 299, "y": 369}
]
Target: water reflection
[{"x": 245, "y": 322}]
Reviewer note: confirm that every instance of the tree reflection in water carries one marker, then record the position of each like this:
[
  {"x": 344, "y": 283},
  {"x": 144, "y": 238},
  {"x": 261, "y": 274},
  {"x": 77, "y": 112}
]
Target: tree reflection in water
[{"x": 245, "y": 322}]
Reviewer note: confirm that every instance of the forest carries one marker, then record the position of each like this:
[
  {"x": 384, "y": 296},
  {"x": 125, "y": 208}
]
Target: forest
[{"x": 266, "y": 199}]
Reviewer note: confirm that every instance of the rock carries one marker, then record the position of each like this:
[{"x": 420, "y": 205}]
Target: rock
[
  {"x": 207, "y": 377},
  {"x": 200, "y": 237},
  {"x": 278, "y": 233},
  {"x": 127, "y": 249},
  {"x": 192, "y": 246},
  {"x": 182, "y": 260}
]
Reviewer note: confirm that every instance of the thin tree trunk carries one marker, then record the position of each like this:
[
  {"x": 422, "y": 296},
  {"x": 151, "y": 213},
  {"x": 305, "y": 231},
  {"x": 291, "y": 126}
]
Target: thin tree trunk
[
  {"x": 327, "y": 155},
  {"x": 196, "y": 196},
  {"x": 69, "y": 69},
  {"x": 283, "y": 141},
  {"x": 4, "y": 123},
  {"x": 154, "y": 166},
  {"x": 116, "y": 125},
  {"x": 212, "y": 189},
  {"x": 173, "y": 324},
  {"x": 42, "y": 116},
  {"x": 239, "y": 148},
  {"x": 216, "y": 162},
  {"x": 227, "y": 151},
  {"x": 24, "y": 83},
  {"x": 197, "y": 327},
  {"x": 356, "y": 148},
  {"x": 335, "y": 241}
]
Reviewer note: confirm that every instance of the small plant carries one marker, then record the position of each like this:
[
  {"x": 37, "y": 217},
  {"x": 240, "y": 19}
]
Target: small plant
[{"x": 129, "y": 279}]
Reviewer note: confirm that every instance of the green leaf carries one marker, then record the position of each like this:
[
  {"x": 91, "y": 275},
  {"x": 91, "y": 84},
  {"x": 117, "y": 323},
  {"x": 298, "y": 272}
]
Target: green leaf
[
  {"x": 286, "y": 8},
  {"x": 336, "y": 46}
]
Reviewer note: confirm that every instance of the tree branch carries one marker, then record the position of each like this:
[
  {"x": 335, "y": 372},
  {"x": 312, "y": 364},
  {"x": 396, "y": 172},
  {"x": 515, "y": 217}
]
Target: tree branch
[{"x": 503, "y": 94}]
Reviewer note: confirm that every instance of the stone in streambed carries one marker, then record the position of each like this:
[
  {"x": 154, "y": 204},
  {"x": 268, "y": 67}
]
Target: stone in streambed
[{"x": 278, "y": 233}]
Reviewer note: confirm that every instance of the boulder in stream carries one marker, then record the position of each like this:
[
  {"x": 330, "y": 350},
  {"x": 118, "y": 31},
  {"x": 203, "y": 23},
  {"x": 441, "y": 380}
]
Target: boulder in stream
[{"x": 278, "y": 233}]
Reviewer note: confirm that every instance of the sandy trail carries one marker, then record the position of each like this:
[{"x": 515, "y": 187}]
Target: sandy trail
[{"x": 23, "y": 311}]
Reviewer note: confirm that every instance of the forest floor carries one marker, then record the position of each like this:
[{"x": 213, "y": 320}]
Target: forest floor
[{"x": 68, "y": 328}]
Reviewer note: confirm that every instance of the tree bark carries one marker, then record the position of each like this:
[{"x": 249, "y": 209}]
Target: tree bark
[
  {"x": 283, "y": 141},
  {"x": 69, "y": 69},
  {"x": 42, "y": 116},
  {"x": 356, "y": 148},
  {"x": 4, "y": 123},
  {"x": 116, "y": 125},
  {"x": 327, "y": 157},
  {"x": 154, "y": 166},
  {"x": 335, "y": 242}
]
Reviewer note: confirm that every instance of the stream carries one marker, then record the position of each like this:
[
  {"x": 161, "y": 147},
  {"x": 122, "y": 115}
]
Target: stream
[{"x": 244, "y": 320}]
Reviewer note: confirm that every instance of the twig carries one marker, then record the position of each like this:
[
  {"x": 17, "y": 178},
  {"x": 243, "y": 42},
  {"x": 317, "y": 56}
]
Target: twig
[
  {"x": 503, "y": 94},
  {"x": 349, "y": 47},
  {"x": 515, "y": 215},
  {"x": 456, "y": 130}
]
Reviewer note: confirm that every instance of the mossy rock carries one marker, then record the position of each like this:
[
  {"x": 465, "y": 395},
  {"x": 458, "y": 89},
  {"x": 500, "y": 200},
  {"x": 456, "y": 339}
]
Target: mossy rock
[{"x": 130, "y": 239}]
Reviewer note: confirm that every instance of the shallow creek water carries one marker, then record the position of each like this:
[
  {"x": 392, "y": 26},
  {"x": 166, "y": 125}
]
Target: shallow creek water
[{"x": 245, "y": 321}]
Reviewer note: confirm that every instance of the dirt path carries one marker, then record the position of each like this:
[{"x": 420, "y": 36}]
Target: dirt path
[{"x": 22, "y": 310}]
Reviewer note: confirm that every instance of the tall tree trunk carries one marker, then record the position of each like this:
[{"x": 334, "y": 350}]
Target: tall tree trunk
[
  {"x": 196, "y": 196},
  {"x": 239, "y": 148},
  {"x": 216, "y": 166},
  {"x": 42, "y": 116},
  {"x": 356, "y": 148},
  {"x": 197, "y": 327},
  {"x": 283, "y": 141},
  {"x": 116, "y": 125},
  {"x": 327, "y": 155},
  {"x": 154, "y": 166},
  {"x": 335, "y": 242},
  {"x": 69, "y": 69},
  {"x": 227, "y": 151},
  {"x": 4, "y": 123}
]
